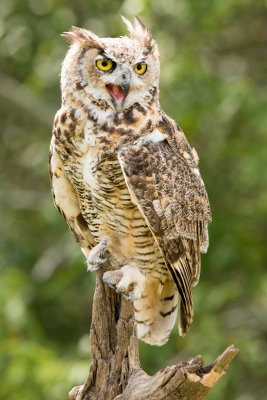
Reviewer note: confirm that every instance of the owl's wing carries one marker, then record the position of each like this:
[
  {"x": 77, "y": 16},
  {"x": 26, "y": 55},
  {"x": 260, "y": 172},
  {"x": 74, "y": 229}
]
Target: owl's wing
[
  {"x": 164, "y": 181},
  {"x": 67, "y": 202}
]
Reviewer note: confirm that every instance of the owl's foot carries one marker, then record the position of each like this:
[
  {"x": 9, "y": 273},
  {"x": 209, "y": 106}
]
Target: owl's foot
[
  {"x": 128, "y": 281},
  {"x": 96, "y": 257}
]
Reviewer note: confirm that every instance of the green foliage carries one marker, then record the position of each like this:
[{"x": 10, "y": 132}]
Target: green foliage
[{"x": 213, "y": 82}]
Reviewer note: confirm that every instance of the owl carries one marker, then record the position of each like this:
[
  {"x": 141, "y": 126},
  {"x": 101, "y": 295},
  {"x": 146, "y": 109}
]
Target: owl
[{"x": 126, "y": 180}]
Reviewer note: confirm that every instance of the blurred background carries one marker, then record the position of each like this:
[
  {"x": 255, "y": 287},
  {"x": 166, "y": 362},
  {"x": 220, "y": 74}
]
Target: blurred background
[{"x": 213, "y": 83}]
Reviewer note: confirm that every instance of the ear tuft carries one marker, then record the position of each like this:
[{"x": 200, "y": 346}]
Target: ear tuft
[
  {"x": 84, "y": 37},
  {"x": 139, "y": 32},
  {"x": 128, "y": 24}
]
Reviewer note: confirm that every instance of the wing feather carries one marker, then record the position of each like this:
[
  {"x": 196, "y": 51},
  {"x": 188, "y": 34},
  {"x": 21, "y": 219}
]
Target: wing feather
[
  {"x": 67, "y": 202},
  {"x": 164, "y": 181}
]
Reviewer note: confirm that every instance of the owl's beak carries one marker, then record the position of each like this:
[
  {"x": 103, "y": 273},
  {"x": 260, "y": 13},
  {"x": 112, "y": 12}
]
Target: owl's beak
[
  {"x": 119, "y": 92},
  {"x": 126, "y": 81}
]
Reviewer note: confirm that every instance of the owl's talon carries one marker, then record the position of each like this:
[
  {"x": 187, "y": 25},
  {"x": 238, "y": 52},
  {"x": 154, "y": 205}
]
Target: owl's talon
[
  {"x": 103, "y": 247},
  {"x": 95, "y": 263},
  {"x": 130, "y": 298},
  {"x": 96, "y": 259},
  {"x": 112, "y": 278},
  {"x": 128, "y": 281}
]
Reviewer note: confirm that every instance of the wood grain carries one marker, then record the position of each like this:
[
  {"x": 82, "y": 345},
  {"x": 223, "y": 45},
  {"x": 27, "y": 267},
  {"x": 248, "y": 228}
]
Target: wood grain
[{"x": 115, "y": 372}]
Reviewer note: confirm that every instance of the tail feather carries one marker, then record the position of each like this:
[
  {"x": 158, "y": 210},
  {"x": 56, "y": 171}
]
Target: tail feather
[
  {"x": 183, "y": 279},
  {"x": 185, "y": 319},
  {"x": 156, "y": 310}
]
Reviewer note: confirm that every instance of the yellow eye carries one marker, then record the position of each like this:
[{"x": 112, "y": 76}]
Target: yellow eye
[
  {"x": 104, "y": 65},
  {"x": 140, "y": 69}
]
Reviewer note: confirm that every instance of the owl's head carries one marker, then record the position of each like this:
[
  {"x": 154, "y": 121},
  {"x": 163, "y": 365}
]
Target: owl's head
[{"x": 116, "y": 72}]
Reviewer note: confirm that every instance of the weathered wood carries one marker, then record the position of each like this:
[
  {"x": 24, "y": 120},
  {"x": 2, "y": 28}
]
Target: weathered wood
[{"x": 115, "y": 371}]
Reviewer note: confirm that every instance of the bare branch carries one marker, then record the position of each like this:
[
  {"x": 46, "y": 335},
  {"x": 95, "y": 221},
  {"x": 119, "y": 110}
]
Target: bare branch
[{"x": 115, "y": 371}]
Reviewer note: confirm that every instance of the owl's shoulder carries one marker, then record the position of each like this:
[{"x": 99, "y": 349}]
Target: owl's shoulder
[
  {"x": 177, "y": 139},
  {"x": 70, "y": 116}
]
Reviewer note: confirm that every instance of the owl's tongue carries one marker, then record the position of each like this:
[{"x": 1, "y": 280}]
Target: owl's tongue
[{"x": 116, "y": 92}]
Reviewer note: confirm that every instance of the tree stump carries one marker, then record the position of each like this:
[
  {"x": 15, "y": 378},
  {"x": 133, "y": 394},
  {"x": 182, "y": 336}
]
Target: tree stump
[{"x": 115, "y": 371}]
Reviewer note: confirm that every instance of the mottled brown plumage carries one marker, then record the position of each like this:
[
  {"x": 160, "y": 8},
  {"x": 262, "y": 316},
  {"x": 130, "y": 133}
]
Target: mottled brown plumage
[{"x": 126, "y": 180}]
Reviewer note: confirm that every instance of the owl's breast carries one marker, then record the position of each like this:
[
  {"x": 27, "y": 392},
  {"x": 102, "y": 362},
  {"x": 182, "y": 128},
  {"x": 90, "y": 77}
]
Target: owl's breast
[
  {"x": 90, "y": 161},
  {"x": 103, "y": 177},
  {"x": 113, "y": 213}
]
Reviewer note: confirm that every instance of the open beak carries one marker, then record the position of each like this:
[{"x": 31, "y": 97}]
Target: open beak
[{"x": 119, "y": 92}]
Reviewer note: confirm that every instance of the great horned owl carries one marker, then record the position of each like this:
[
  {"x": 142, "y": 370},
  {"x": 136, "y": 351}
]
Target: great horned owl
[{"x": 125, "y": 178}]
